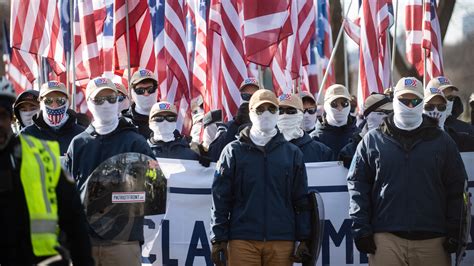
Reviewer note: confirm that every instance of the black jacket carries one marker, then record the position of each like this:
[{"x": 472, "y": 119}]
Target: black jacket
[
  {"x": 406, "y": 182},
  {"x": 463, "y": 140},
  {"x": 63, "y": 135},
  {"x": 336, "y": 137},
  {"x": 313, "y": 151},
  {"x": 232, "y": 130},
  {"x": 459, "y": 126},
  {"x": 176, "y": 149},
  {"x": 16, "y": 247},
  {"x": 139, "y": 120},
  {"x": 255, "y": 192}
]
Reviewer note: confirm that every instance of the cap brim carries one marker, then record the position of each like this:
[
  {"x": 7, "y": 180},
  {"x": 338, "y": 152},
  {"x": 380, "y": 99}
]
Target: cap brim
[
  {"x": 46, "y": 92},
  {"x": 387, "y": 106},
  {"x": 265, "y": 101},
  {"x": 442, "y": 88},
  {"x": 26, "y": 101},
  {"x": 246, "y": 85},
  {"x": 407, "y": 91},
  {"x": 332, "y": 98},
  {"x": 96, "y": 91},
  {"x": 135, "y": 82},
  {"x": 428, "y": 98}
]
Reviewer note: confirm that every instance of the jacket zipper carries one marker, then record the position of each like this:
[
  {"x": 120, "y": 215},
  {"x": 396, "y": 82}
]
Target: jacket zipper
[{"x": 264, "y": 195}]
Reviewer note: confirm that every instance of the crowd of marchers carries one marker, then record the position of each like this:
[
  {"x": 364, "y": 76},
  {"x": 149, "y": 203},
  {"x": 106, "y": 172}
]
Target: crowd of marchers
[{"x": 406, "y": 178}]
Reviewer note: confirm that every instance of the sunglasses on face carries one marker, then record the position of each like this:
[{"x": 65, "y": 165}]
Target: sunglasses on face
[
  {"x": 450, "y": 98},
  {"x": 343, "y": 104},
  {"x": 120, "y": 98},
  {"x": 289, "y": 110},
  {"x": 141, "y": 91},
  {"x": 310, "y": 111},
  {"x": 413, "y": 102},
  {"x": 161, "y": 118},
  {"x": 59, "y": 100},
  {"x": 440, "y": 107},
  {"x": 260, "y": 110},
  {"x": 101, "y": 100}
]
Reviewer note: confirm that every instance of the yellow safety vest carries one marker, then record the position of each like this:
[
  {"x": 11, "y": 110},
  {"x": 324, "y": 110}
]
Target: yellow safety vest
[{"x": 40, "y": 171}]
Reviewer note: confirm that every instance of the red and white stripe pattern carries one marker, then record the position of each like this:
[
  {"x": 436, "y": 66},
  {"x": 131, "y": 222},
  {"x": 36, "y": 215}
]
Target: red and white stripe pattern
[
  {"x": 432, "y": 41},
  {"x": 306, "y": 27},
  {"x": 176, "y": 59},
  {"x": 14, "y": 72},
  {"x": 37, "y": 30},
  {"x": 324, "y": 39},
  {"x": 374, "y": 62},
  {"x": 211, "y": 100},
  {"x": 266, "y": 24},
  {"x": 414, "y": 34}
]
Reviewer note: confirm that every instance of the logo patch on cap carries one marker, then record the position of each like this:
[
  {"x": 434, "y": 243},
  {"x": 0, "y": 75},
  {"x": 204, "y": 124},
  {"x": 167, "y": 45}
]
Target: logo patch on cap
[
  {"x": 435, "y": 90},
  {"x": 285, "y": 97},
  {"x": 410, "y": 83},
  {"x": 443, "y": 81},
  {"x": 250, "y": 81},
  {"x": 164, "y": 106},
  {"x": 100, "y": 81},
  {"x": 144, "y": 73},
  {"x": 52, "y": 84}
]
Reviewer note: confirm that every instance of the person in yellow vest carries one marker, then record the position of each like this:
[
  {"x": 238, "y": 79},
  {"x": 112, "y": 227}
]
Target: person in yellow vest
[{"x": 37, "y": 200}]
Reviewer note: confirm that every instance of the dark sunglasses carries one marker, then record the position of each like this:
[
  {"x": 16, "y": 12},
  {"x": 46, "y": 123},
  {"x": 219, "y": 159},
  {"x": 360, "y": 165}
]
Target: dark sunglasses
[
  {"x": 430, "y": 107},
  {"x": 101, "y": 100},
  {"x": 59, "y": 100},
  {"x": 120, "y": 98},
  {"x": 161, "y": 118},
  {"x": 413, "y": 102},
  {"x": 310, "y": 111},
  {"x": 260, "y": 110},
  {"x": 141, "y": 91},
  {"x": 289, "y": 111},
  {"x": 336, "y": 103},
  {"x": 450, "y": 98}
]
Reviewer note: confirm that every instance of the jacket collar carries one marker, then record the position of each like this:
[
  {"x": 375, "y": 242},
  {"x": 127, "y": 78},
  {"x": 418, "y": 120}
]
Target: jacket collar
[
  {"x": 244, "y": 137},
  {"x": 124, "y": 124}
]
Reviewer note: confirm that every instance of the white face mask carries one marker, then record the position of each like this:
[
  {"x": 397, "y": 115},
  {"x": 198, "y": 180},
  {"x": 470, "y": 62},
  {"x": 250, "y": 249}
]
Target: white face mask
[
  {"x": 263, "y": 127},
  {"x": 375, "y": 119},
  {"x": 124, "y": 105},
  {"x": 105, "y": 116},
  {"x": 54, "y": 117},
  {"x": 309, "y": 121},
  {"x": 290, "y": 125},
  {"x": 449, "y": 108},
  {"x": 144, "y": 103},
  {"x": 27, "y": 117},
  {"x": 335, "y": 117},
  {"x": 407, "y": 118},
  {"x": 209, "y": 135},
  {"x": 196, "y": 132},
  {"x": 163, "y": 131},
  {"x": 438, "y": 115}
]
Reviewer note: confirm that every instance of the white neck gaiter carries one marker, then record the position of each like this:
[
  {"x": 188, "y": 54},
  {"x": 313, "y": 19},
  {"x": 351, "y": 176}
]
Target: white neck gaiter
[
  {"x": 263, "y": 127},
  {"x": 449, "y": 108},
  {"x": 290, "y": 125},
  {"x": 374, "y": 119},
  {"x": 54, "y": 117},
  {"x": 143, "y": 103},
  {"x": 309, "y": 121},
  {"x": 163, "y": 131},
  {"x": 196, "y": 132},
  {"x": 27, "y": 117},
  {"x": 407, "y": 118},
  {"x": 209, "y": 135},
  {"x": 438, "y": 115},
  {"x": 105, "y": 116},
  {"x": 124, "y": 105},
  {"x": 335, "y": 117}
]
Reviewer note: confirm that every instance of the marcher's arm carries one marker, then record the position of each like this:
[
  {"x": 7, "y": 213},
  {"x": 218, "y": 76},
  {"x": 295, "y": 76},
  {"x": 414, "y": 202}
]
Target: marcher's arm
[{"x": 300, "y": 200}]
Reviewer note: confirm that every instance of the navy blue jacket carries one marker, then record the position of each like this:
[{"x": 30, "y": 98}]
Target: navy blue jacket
[
  {"x": 176, "y": 149},
  {"x": 216, "y": 147},
  {"x": 256, "y": 189},
  {"x": 139, "y": 120},
  {"x": 89, "y": 149},
  {"x": 347, "y": 152},
  {"x": 406, "y": 181},
  {"x": 313, "y": 151},
  {"x": 463, "y": 140},
  {"x": 459, "y": 126},
  {"x": 63, "y": 135},
  {"x": 336, "y": 137}
]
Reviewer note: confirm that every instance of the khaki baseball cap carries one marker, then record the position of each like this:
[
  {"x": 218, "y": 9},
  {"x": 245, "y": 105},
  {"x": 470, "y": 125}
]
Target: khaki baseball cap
[
  {"x": 141, "y": 75},
  {"x": 336, "y": 91},
  {"x": 248, "y": 82},
  {"x": 307, "y": 94},
  {"x": 263, "y": 96},
  {"x": 291, "y": 100},
  {"x": 99, "y": 84},
  {"x": 51, "y": 86},
  {"x": 431, "y": 92},
  {"x": 121, "y": 88},
  {"x": 441, "y": 83},
  {"x": 162, "y": 107},
  {"x": 409, "y": 85},
  {"x": 377, "y": 101}
]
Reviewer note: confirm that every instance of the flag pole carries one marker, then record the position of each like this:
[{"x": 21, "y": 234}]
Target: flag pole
[
  {"x": 424, "y": 50},
  {"x": 394, "y": 43},
  {"x": 333, "y": 53},
  {"x": 260, "y": 75},
  {"x": 73, "y": 56},
  {"x": 67, "y": 71},
  {"x": 346, "y": 69},
  {"x": 128, "y": 41},
  {"x": 39, "y": 71}
]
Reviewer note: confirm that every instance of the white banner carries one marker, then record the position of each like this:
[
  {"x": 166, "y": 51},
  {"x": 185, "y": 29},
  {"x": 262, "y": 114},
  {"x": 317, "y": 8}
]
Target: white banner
[{"x": 181, "y": 236}]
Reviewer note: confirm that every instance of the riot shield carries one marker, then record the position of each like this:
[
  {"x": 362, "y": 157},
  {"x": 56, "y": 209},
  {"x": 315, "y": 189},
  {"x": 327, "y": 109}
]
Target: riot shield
[
  {"x": 317, "y": 227},
  {"x": 120, "y": 191},
  {"x": 465, "y": 225}
]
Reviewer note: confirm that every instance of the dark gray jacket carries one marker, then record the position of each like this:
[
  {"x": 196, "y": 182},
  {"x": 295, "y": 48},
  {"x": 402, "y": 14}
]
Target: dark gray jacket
[{"x": 406, "y": 181}]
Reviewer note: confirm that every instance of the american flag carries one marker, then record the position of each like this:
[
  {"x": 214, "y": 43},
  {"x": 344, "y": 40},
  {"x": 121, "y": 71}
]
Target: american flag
[
  {"x": 157, "y": 13},
  {"x": 323, "y": 46},
  {"x": 414, "y": 33},
  {"x": 266, "y": 24},
  {"x": 176, "y": 59},
  {"x": 37, "y": 30},
  {"x": 213, "y": 41},
  {"x": 105, "y": 38},
  {"x": 432, "y": 41}
]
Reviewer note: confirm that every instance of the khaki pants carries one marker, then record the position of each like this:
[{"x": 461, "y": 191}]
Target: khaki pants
[
  {"x": 126, "y": 254},
  {"x": 395, "y": 251},
  {"x": 256, "y": 253}
]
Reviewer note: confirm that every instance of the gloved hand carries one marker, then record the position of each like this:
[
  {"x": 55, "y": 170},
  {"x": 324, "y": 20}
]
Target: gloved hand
[
  {"x": 302, "y": 253},
  {"x": 217, "y": 248},
  {"x": 366, "y": 244},
  {"x": 451, "y": 245},
  {"x": 204, "y": 161}
]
